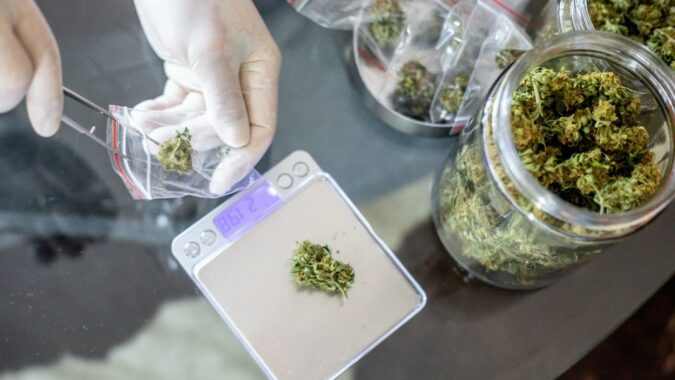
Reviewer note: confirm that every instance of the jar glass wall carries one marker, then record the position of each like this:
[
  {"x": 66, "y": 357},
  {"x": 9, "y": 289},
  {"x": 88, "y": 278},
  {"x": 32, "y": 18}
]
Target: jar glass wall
[{"x": 494, "y": 217}]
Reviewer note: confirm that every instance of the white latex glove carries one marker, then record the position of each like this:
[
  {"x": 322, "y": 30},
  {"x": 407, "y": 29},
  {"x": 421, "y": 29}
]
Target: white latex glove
[
  {"x": 220, "y": 59},
  {"x": 30, "y": 65}
]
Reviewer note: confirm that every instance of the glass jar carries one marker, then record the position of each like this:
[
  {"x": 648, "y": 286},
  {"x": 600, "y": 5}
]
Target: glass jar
[{"x": 494, "y": 217}]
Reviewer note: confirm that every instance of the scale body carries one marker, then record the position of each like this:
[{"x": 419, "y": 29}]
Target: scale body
[{"x": 240, "y": 257}]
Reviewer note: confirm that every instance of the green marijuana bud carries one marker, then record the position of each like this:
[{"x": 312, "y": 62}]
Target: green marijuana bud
[
  {"x": 176, "y": 154},
  {"x": 626, "y": 193},
  {"x": 389, "y": 21},
  {"x": 453, "y": 94},
  {"x": 314, "y": 266},
  {"x": 662, "y": 42},
  {"x": 496, "y": 242},
  {"x": 506, "y": 56},
  {"x": 649, "y": 22},
  {"x": 414, "y": 91},
  {"x": 579, "y": 137}
]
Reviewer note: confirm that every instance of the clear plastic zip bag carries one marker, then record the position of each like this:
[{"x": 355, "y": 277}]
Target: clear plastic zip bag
[
  {"x": 333, "y": 14},
  {"x": 387, "y": 22},
  {"x": 505, "y": 43},
  {"x": 434, "y": 29},
  {"x": 451, "y": 40},
  {"x": 411, "y": 81},
  {"x": 382, "y": 27},
  {"x": 492, "y": 32},
  {"x": 213, "y": 170}
]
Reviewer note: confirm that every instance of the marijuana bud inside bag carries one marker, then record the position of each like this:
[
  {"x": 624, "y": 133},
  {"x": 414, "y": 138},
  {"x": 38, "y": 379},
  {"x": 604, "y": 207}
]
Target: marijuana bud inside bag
[
  {"x": 505, "y": 57},
  {"x": 452, "y": 94},
  {"x": 315, "y": 267},
  {"x": 401, "y": 46},
  {"x": 183, "y": 157},
  {"x": 414, "y": 91},
  {"x": 176, "y": 154},
  {"x": 389, "y": 21},
  {"x": 492, "y": 41},
  {"x": 416, "y": 63}
]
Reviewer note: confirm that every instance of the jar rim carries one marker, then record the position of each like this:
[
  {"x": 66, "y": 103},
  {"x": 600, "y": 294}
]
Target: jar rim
[
  {"x": 580, "y": 17},
  {"x": 616, "y": 49}
]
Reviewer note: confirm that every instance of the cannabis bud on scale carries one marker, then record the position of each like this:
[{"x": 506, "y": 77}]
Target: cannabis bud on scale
[{"x": 315, "y": 267}]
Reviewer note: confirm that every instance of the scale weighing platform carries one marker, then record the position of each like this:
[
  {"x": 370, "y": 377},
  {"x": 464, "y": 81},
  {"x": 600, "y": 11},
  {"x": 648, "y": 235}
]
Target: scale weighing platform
[{"x": 240, "y": 256}]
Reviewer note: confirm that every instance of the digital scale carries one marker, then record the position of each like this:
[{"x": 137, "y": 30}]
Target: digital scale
[{"x": 240, "y": 256}]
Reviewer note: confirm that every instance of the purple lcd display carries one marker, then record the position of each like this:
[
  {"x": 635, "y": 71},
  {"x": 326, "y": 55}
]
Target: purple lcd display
[{"x": 247, "y": 210}]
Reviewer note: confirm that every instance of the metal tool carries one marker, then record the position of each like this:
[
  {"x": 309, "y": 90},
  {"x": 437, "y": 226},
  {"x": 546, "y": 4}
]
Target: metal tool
[
  {"x": 86, "y": 102},
  {"x": 93, "y": 106},
  {"x": 76, "y": 126}
]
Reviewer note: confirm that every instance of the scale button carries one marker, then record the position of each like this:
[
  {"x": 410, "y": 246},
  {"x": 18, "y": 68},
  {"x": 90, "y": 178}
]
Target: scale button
[
  {"x": 285, "y": 181},
  {"x": 191, "y": 249},
  {"x": 300, "y": 169},
  {"x": 208, "y": 237}
]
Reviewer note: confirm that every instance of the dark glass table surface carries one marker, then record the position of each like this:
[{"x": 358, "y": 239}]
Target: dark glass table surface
[{"x": 86, "y": 275}]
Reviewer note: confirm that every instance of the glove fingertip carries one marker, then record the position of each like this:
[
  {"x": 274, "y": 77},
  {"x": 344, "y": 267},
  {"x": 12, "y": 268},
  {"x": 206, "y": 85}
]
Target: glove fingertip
[
  {"x": 45, "y": 115},
  {"x": 235, "y": 135},
  {"x": 227, "y": 174},
  {"x": 232, "y": 126}
]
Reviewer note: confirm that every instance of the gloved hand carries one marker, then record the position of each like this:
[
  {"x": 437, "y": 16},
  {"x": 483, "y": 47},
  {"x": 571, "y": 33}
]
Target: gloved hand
[
  {"x": 219, "y": 59},
  {"x": 30, "y": 65}
]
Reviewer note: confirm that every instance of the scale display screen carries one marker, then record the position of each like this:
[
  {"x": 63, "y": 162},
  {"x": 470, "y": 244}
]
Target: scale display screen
[{"x": 247, "y": 210}]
